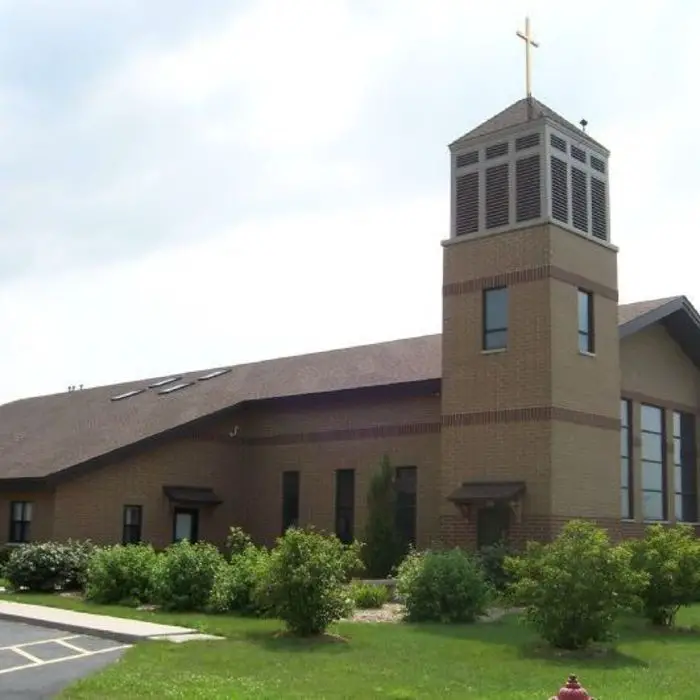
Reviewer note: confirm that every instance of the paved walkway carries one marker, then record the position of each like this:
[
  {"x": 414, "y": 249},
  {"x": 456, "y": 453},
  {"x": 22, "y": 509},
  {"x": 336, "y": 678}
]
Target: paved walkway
[{"x": 119, "y": 629}]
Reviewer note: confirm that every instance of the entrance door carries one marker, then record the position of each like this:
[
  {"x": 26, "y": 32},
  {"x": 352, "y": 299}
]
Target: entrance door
[
  {"x": 185, "y": 524},
  {"x": 492, "y": 525}
]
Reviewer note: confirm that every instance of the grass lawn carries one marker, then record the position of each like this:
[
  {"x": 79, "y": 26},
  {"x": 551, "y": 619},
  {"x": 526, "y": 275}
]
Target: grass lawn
[{"x": 485, "y": 662}]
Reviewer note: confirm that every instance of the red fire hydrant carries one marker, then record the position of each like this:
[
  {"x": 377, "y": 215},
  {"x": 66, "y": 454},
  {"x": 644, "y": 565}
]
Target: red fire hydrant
[{"x": 572, "y": 691}]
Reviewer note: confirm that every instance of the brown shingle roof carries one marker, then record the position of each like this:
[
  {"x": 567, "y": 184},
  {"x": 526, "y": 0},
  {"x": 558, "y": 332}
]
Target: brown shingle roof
[{"x": 44, "y": 435}]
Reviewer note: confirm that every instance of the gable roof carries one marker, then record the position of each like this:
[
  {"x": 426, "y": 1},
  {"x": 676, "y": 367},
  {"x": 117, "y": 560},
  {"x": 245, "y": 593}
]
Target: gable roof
[
  {"x": 47, "y": 435},
  {"x": 521, "y": 112}
]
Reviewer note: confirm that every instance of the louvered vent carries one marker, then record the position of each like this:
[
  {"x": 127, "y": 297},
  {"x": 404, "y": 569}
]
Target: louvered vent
[
  {"x": 464, "y": 159},
  {"x": 560, "y": 190},
  {"x": 557, "y": 142},
  {"x": 529, "y": 141},
  {"x": 597, "y": 164},
  {"x": 467, "y": 204},
  {"x": 579, "y": 199},
  {"x": 578, "y": 154},
  {"x": 497, "y": 200},
  {"x": 528, "y": 201},
  {"x": 598, "y": 209},
  {"x": 497, "y": 150}
]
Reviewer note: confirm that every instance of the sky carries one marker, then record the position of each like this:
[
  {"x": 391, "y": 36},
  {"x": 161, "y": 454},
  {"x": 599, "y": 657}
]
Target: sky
[{"x": 187, "y": 185}]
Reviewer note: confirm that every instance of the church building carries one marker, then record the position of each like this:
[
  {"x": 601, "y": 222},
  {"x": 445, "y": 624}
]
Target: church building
[{"x": 542, "y": 399}]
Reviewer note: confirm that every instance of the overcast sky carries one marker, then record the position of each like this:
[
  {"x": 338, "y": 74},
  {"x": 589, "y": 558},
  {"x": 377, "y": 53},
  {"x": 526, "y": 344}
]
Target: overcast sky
[{"x": 190, "y": 184}]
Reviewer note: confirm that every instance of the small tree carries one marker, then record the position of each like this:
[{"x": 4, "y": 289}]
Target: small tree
[
  {"x": 670, "y": 559},
  {"x": 574, "y": 588},
  {"x": 383, "y": 548}
]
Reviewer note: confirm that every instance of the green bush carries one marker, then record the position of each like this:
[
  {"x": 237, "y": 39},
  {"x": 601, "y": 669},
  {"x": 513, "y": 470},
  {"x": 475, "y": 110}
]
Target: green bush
[
  {"x": 383, "y": 549},
  {"x": 669, "y": 557},
  {"x": 236, "y": 581},
  {"x": 492, "y": 559},
  {"x": 442, "y": 586},
  {"x": 5, "y": 553},
  {"x": 122, "y": 574},
  {"x": 367, "y": 596},
  {"x": 184, "y": 575},
  {"x": 574, "y": 588},
  {"x": 305, "y": 584},
  {"x": 238, "y": 541},
  {"x": 49, "y": 566}
]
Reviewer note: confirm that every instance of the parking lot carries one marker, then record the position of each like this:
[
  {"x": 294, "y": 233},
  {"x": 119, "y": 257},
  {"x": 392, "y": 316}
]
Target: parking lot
[{"x": 36, "y": 662}]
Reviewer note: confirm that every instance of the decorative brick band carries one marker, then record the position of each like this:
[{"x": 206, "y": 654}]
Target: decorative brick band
[
  {"x": 370, "y": 433},
  {"x": 636, "y": 397},
  {"x": 531, "y": 414},
  {"x": 531, "y": 274}
]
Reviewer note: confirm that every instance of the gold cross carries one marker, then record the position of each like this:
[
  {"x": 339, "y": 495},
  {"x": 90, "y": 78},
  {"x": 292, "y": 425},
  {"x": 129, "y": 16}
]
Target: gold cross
[{"x": 529, "y": 41}]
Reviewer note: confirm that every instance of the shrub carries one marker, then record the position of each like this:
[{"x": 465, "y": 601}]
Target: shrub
[
  {"x": 366, "y": 596},
  {"x": 305, "y": 582},
  {"x": 670, "y": 559},
  {"x": 573, "y": 588},
  {"x": 237, "y": 541},
  {"x": 235, "y": 583},
  {"x": 383, "y": 548},
  {"x": 122, "y": 574},
  {"x": 49, "y": 566},
  {"x": 442, "y": 586},
  {"x": 5, "y": 553},
  {"x": 184, "y": 575},
  {"x": 492, "y": 559}
]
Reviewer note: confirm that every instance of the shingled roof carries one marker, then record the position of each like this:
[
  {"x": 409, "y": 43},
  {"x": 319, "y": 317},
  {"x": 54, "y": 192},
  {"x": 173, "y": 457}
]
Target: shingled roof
[{"x": 45, "y": 435}]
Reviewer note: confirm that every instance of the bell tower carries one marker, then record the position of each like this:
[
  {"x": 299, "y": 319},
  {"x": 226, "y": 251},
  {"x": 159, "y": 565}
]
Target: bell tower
[{"x": 530, "y": 377}]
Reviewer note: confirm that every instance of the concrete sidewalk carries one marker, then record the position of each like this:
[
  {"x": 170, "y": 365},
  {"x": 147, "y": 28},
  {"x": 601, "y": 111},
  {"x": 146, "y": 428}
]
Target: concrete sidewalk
[{"x": 118, "y": 628}]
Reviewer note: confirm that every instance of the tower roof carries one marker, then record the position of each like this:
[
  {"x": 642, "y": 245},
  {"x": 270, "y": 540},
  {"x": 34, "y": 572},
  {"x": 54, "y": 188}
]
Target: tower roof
[{"x": 523, "y": 111}]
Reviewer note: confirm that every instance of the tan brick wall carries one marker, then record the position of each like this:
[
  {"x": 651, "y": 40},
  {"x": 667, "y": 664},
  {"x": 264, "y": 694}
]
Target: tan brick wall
[{"x": 41, "y": 528}]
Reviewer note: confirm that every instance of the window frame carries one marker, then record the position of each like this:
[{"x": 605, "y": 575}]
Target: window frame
[
  {"x": 290, "y": 508},
  {"x": 409, "y": 505},
  {"x": 128, "y": 527},
  {"x": 627, "y": 461},
  {"x": 345, "y": 505},
  {"x": 685, "y": 462},
  {"x": 488, "y": 330},
  {"x": 586, "y": 335},
  {"x": 660, "y": 463},
  {"x": 22, "y": 524}
]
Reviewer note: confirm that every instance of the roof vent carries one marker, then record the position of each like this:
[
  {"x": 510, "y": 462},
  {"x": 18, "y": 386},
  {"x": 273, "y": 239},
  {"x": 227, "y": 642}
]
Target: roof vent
[
  {"x": 177, "y": 387},
  {"x": 163, "y": 382},
  {"x": 127, "y": 394},
  {"x": 215, "y": 373}
]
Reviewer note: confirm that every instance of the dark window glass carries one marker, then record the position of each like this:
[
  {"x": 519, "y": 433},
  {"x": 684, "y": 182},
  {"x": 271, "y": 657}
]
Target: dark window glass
[
  {"x": 653, "y": 472},
  {"x": 406, "y": 504},
  {"x": 586, "y": 328},
  {"x": 495, "y": 318},
  {"x": 290, "y": 499},
  {"x": 131, "y": 526},
  {"x": 345, "y": 505},
  {"x": 20, "y": 521},
  {"x": 685, "y": 467},
  {"x": 627, "y": 495}
]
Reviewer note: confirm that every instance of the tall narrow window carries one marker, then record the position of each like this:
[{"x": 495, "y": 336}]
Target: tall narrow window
[
  {"x": 685, "y": 467},
  {"x": 20, "y": 521},
  {"x": 495, "y": 318},
  {"x": 586, "y": 325},
  {"x": 653, "y": 473},
  {"x": 290, "y": 499},
  {"x": 131, "y": 526},
  {"x": 345, "y": 505},
  {"x": 406, "y": 504},
  {"x": 627, "y": 494}
]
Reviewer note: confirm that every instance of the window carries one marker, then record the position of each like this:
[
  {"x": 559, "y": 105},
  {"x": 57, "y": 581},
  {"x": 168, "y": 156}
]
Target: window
[
  {"x": 653, "y": 473},
  {"x": 290, "y": 499},
  {"x": 406, "y": 504},
  {"x": 345, "y": 505},
  {"x": 131, "y": 527},
  {"x": 20, "y": 521},
  {"x": 495, "y": 319},
  {"x": 586, "y": 335},
  {"x": 626, "y": 469},
  {"x": 685, "y": 467}
]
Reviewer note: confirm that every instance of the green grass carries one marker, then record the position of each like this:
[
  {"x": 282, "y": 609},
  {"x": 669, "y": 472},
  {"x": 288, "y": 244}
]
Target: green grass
[{"x": 398, "y": 661}]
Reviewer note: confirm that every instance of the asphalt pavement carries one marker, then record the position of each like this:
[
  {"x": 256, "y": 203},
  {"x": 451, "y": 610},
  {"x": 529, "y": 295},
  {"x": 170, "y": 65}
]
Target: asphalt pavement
[{"x": 37, "y": 662}]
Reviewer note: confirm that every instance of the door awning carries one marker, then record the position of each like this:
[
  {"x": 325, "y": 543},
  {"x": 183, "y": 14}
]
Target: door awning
[
  {"x": 191, "y": 495},
  {"x": 476, "y": 492}
]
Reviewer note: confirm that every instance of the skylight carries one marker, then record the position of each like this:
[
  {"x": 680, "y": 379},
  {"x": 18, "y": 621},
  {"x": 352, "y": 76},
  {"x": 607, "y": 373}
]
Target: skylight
[
  {"x": 170, "y": 389},
  {"x": 216, "y": 373},
  {"x": 127, "y": 394},
  {"x": 163, "y": 382}
]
